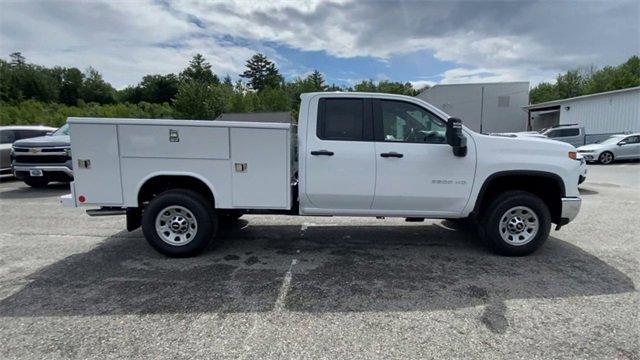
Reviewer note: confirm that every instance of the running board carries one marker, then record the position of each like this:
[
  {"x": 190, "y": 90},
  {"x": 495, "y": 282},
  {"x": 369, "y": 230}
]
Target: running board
[{"x": 106, "y": 211}]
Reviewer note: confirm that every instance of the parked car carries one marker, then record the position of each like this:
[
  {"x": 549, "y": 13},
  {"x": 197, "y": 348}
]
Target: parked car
[
  {"x": 358, "y": 154},
  {"x": 571, "y": 134},
  {"x": 617, "y": 147},
  {"x": 9, "y": 134},
  {"x": 38, "y": 161}
]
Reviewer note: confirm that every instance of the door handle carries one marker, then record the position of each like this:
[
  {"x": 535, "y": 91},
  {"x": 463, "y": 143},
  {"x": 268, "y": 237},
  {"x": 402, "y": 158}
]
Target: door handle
[
  {"x": 322, "y": 152},
  {"x": 391, "y": 154}
]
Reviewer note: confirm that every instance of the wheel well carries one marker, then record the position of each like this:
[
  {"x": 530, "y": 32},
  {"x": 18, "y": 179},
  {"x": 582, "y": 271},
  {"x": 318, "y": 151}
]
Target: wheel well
[
  {"x": 162, "y": 183},
  {"x": 548, "y": 187}
]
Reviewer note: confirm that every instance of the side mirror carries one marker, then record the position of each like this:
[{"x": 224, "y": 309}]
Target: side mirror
[
  {"x": 622, "y": 143},
  {"x": 455, "y": 137}
]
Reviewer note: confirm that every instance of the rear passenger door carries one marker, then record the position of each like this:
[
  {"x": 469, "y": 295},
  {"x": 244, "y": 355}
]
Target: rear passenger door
[{"x": 340, "y": 156}]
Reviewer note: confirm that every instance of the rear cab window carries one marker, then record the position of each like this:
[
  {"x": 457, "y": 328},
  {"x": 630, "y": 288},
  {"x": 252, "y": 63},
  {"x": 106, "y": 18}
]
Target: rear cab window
[{"x": 344, "y": 119}]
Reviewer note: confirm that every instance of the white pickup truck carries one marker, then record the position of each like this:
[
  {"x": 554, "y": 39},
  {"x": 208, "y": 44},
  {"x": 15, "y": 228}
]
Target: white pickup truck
[{"x": 351, "y": 154}]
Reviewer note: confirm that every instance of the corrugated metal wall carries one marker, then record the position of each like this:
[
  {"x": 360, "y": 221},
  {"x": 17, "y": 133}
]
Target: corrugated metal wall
[
  {"x": 615, "y": 113},
  {"x": 499, "y": 103}
]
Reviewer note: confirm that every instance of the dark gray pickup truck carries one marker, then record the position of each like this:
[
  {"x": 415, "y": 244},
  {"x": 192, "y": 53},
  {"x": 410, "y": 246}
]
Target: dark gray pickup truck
[{"x": 41, "y": 160}]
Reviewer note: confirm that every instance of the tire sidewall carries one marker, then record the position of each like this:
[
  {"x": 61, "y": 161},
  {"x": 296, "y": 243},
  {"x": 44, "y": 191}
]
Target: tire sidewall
[
  {"x": 201, "y": 210},
  {"x": 499, "y": 206}
]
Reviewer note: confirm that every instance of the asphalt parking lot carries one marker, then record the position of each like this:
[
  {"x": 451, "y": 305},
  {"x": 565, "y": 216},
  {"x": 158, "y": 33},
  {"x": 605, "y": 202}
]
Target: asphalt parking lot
[{"x": 72, "y": 286}]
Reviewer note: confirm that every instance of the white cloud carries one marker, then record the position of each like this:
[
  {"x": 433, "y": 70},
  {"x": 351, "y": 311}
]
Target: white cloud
[
  {"x": 421, "y": 84},
  {"x": 485, "y": 41}
]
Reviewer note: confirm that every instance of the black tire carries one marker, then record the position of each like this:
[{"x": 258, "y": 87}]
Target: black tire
[
  {"x": 606, "y": 158},
  {"x": 37, "y": 183},
  {"x": 489, "y": 227},
  {"x": 203, "y": 212}
]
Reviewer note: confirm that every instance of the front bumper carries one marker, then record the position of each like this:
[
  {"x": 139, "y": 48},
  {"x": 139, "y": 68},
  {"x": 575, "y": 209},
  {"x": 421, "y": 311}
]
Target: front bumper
[
  {"x": 570, "y": 210},
  {"x": 44, "y": 168},
  {"x": 55, "y": 172}
]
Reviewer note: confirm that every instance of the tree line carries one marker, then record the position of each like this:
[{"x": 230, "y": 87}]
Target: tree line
[
  {"x": 588, "y": 80},
  {"x": 33, "y": 94}
]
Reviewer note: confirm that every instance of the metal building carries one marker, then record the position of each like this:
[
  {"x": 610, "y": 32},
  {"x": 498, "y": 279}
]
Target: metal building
[
  {"x": 483, "y": 107},
  {"x": 601, "y": 114}
]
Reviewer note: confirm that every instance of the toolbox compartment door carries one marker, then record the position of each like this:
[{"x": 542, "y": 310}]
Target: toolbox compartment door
[
  {"x": 261, "y": 168},
  {"x": 96, "y": 163}
]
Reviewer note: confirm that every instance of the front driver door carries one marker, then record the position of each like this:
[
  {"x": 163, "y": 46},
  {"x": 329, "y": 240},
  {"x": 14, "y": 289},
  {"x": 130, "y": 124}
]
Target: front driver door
[
  {"x": 417, "y": 172},
  {"x": 631, "y": 148}
]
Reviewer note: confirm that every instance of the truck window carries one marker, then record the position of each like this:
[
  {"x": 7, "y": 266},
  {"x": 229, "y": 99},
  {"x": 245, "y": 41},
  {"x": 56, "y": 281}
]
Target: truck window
[
  {"x": 7, "y": 136},
  {"x": 406, "y": 122},
  {"x": 563, "y": 133},
  {"x": 341, "y": 119},
  {"x": 26, "y": 134}
]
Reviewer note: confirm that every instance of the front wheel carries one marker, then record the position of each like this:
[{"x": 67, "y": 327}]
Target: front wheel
[
  {"x": 179, "y": 223},
  {"x": 605, "y": 158},
  {"x": 516, "y": 223}
]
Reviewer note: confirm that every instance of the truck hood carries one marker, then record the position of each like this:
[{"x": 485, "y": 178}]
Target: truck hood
[
  {"x": 44, "y": 141},
  {"x": 529, "y": 142}
]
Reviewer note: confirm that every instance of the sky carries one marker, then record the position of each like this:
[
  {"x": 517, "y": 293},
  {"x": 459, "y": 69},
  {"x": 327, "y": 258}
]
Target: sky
[{"x": 422, "y": 42}]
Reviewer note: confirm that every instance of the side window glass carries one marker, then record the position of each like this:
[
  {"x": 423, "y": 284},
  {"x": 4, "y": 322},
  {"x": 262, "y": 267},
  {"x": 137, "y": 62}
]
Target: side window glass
[
  {"x": 7, "y": 136},
  {"x": 341, "y": 119},
  {"x": 552, "y": 133},
  {"x": 406, "y": 122},
  {"x": 632, "y": 139},
  {"x": 25, "y": 134}
]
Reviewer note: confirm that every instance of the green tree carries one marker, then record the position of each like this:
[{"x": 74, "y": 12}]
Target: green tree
[
  {"x": 70, "y": 86},
  {"x": 159, "y": 88},
  {"x": 543, "y": 92},
  {"x": 262, "y": 73},
  {"x": 570, "y": 84},
  {"x": 199, "y": 70},
  {"x": 317, "y": 80},
  {"x": 17, "y": 59},
  {"x": 196, "y": 100},
  {"x": 95, "y": 89}
]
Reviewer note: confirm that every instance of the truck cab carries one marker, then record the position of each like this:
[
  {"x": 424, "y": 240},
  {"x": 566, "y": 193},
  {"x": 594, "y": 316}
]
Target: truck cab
[{"x": 350, "y": 154}]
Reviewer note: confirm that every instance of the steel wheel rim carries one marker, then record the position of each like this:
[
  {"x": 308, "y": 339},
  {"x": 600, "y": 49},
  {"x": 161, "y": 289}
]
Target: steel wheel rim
[
  {"x": 176, "y": 225},
  {"x": 518, "y": 226},
  {"x": 606, "y": 158}
]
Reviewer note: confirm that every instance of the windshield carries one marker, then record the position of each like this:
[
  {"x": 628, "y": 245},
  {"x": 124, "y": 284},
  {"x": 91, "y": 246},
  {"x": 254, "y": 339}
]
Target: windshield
[
  {"x": 64, "y": 130},
  {"x": 612, "y": 140}
]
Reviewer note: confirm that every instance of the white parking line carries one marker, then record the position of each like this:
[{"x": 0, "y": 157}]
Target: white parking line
[{"x": 284, "y": 289}]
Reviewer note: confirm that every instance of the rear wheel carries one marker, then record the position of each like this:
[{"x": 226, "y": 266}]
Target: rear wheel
[
  {"x": 516, "y": 223},
  {"x": 179, "y": 223},
  {"x": 606, "y": 158},
  {"x": 37, "y": 183}
]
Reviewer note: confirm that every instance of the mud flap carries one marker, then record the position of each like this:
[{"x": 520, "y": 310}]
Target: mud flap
[{"x": 134, "y": 218}]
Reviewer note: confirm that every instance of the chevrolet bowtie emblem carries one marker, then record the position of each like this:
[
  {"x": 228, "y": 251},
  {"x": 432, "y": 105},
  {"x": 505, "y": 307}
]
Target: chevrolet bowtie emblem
[{"x": 34, "y": 150}]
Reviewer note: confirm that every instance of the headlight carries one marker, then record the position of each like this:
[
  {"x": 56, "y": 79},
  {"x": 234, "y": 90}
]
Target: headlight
[{"x": 585, "y": 151}]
